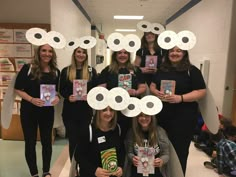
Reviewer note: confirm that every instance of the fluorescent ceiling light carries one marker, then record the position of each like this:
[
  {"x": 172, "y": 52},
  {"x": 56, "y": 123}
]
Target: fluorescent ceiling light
[
  {"x": 129, "y": 17},
  {"x": 125, "y": 30}
]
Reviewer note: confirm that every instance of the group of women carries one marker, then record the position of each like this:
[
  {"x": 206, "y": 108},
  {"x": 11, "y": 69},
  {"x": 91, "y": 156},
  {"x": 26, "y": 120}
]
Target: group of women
[{"x": 88, "y": 133}]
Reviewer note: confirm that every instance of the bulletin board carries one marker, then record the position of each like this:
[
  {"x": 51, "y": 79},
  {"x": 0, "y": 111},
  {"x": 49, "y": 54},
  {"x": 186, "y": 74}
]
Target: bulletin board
[{"x": 15, "y": 51}]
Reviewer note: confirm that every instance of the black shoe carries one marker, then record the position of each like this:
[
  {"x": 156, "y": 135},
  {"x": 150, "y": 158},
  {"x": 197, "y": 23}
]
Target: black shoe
[
  {"x": 45, "y": 174},
  {"x": 200, "y": 146},
  {"x": 209, "y": 165}
]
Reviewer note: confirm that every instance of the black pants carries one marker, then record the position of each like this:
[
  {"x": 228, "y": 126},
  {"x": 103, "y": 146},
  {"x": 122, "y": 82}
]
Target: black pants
[
  {"x": 181, "y": 144},
  {"x": 72, "y": 131},
  {"x": 43, "y": 119}
]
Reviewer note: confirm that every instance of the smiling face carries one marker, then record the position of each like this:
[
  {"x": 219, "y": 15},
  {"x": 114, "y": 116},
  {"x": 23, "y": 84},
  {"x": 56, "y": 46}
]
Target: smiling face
[
  {"x": 144, "y": 121},
  {"x": 106, "y": 115},
  {"x": 122, "y": 57},
  {"x": 150, "y": 37},
  {"x": 80, "y": 56},
  {"x": 176, "y": 55},
  {"x": 45, "y": 53}
]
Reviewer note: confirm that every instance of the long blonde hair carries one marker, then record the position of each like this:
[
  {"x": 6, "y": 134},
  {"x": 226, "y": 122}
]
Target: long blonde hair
[
  {"x": 37, "y": 70},
  {"x": 138, "y": 132},
  {"x": 71, "y": 72},
  {"x": 114, "y": 66},
  {"x": 97, "y": 122}
]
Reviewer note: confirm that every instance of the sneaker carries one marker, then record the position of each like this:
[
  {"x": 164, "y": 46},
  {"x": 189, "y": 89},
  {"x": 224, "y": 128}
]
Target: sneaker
[
  {"x": 200, "y": 146},
  {"x": 209, "y": 165}
]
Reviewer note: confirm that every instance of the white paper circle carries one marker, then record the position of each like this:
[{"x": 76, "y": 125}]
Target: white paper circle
[
  {"x": 132, "y": 43},
  {"x": 151, "y": 105},
  {"x": 97, "y": 98},
  {"x": 36, "y": 36},
  {"x": 87, "y": 42},
  {"x": 167, "y": 39},
  {"x": 144, "y": 26},
  {"x": 157, "y": 28},
  {"x": 56, "y": 40},
  {"x": 118, "y": 98},
  {"x": 186, "y": 40},
  {"x": 72, "y": 44},
  {"x": 133, "y": 109},
  {"x": 115, "y": 41}
]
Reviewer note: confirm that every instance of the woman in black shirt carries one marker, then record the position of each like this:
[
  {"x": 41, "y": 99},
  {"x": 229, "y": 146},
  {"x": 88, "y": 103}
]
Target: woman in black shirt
[
  {"x": 102, "y": 135},
  {"x": 34, "y": 114},
  {"x": 180, "y": 109},
  {"x": 121, "y": 73},
  {"x": 76, "y": 111},
  {"x": 149, "y": 50}
]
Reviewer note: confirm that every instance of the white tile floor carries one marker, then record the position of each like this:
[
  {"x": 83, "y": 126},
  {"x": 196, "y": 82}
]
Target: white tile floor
[{"x": 195, "y": 166}]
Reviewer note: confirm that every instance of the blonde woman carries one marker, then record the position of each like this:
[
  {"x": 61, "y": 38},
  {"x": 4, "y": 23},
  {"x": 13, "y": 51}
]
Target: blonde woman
[
  {"x": 101, "y": 135},
  {"x": 76, "y": 112},
  {"x": 34, "y": 115},
  {"x": 121, "y": 67}
]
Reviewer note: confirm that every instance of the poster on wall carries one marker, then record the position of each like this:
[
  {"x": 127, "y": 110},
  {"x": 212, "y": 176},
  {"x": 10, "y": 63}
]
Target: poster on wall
[
  {"x": 5, "y": 78},
  {"x": 6, "y": 50},
  {"x": 19, "y": 62},
  {"x": 22, "y": 50},
  {"x": 19, "y": 36},
  {"x": 6, "y": 65},
  {"x": 6, "y": 35}
]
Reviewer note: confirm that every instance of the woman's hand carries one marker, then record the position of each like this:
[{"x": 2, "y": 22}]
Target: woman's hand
[
  {"x": 132, "y": 92},
  {"x": 158, "y": 162},
  {"x": 56, "y": 100},
  {"x": 72, "y": 98},
  {"x": 147, "y": 70},
  {"x": 37, "y": 102},
  {"x": 172, "y": 98},
  {"x": 118, "y": 173},
  {"x": 156, "y": 92},
  {"x": 135, "y": 160},
  {"x": 100, "y": 172}
]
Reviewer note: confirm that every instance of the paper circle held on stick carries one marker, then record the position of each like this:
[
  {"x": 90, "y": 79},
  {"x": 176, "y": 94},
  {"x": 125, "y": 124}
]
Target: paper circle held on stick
[
  {"x": 72, "y": 44},
  {"x": 186, "y": 40},
  {"x": 132, "y": 43},
  {"x": 118, "y": 98},
  {"x": 115, "y": 41},
  {"x": 144, "y": 26},
  {"x": 151, "y": 105},
  {"x": 157, "y": 28},
  {"x": 97, "y": 98},
  {"x": 133, "y": 108},
  {"x": 56, "y": 40},
  {"x": 36, "y": 36},
  {"x": 167, "y": 39},
  {"x": 87, "y": 42}
]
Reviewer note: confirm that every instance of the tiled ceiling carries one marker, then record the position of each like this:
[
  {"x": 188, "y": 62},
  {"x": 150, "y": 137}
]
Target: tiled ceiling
[{"x": 101, "y": 12}]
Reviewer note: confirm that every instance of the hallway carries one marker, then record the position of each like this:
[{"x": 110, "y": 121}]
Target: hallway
[{"x": 12, "y": 162}]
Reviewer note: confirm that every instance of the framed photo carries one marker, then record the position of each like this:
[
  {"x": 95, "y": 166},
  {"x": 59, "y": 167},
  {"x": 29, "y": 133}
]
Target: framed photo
[
  {"x": 6, "y": 77},
  {"x": 6, "y": 65},
  {"x": 19, "y": 62},
  {"x": 6, "y": 35},
  {"x": 19, "y": 36}
]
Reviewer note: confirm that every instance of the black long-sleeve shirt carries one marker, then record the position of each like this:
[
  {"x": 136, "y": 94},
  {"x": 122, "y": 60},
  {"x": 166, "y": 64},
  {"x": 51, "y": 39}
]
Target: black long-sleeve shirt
[{"x": 89, "y": 153}]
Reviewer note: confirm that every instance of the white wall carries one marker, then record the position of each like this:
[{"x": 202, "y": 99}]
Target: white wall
[
  {"x": 210, "y": 20},
  {"x": 25, "y": 11},
  {"x": 230, "y": 81},
  {"x": 67, "y": 19}
]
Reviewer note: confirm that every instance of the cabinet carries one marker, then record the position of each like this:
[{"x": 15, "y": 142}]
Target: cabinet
[{"x": 15, "y": 51}]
